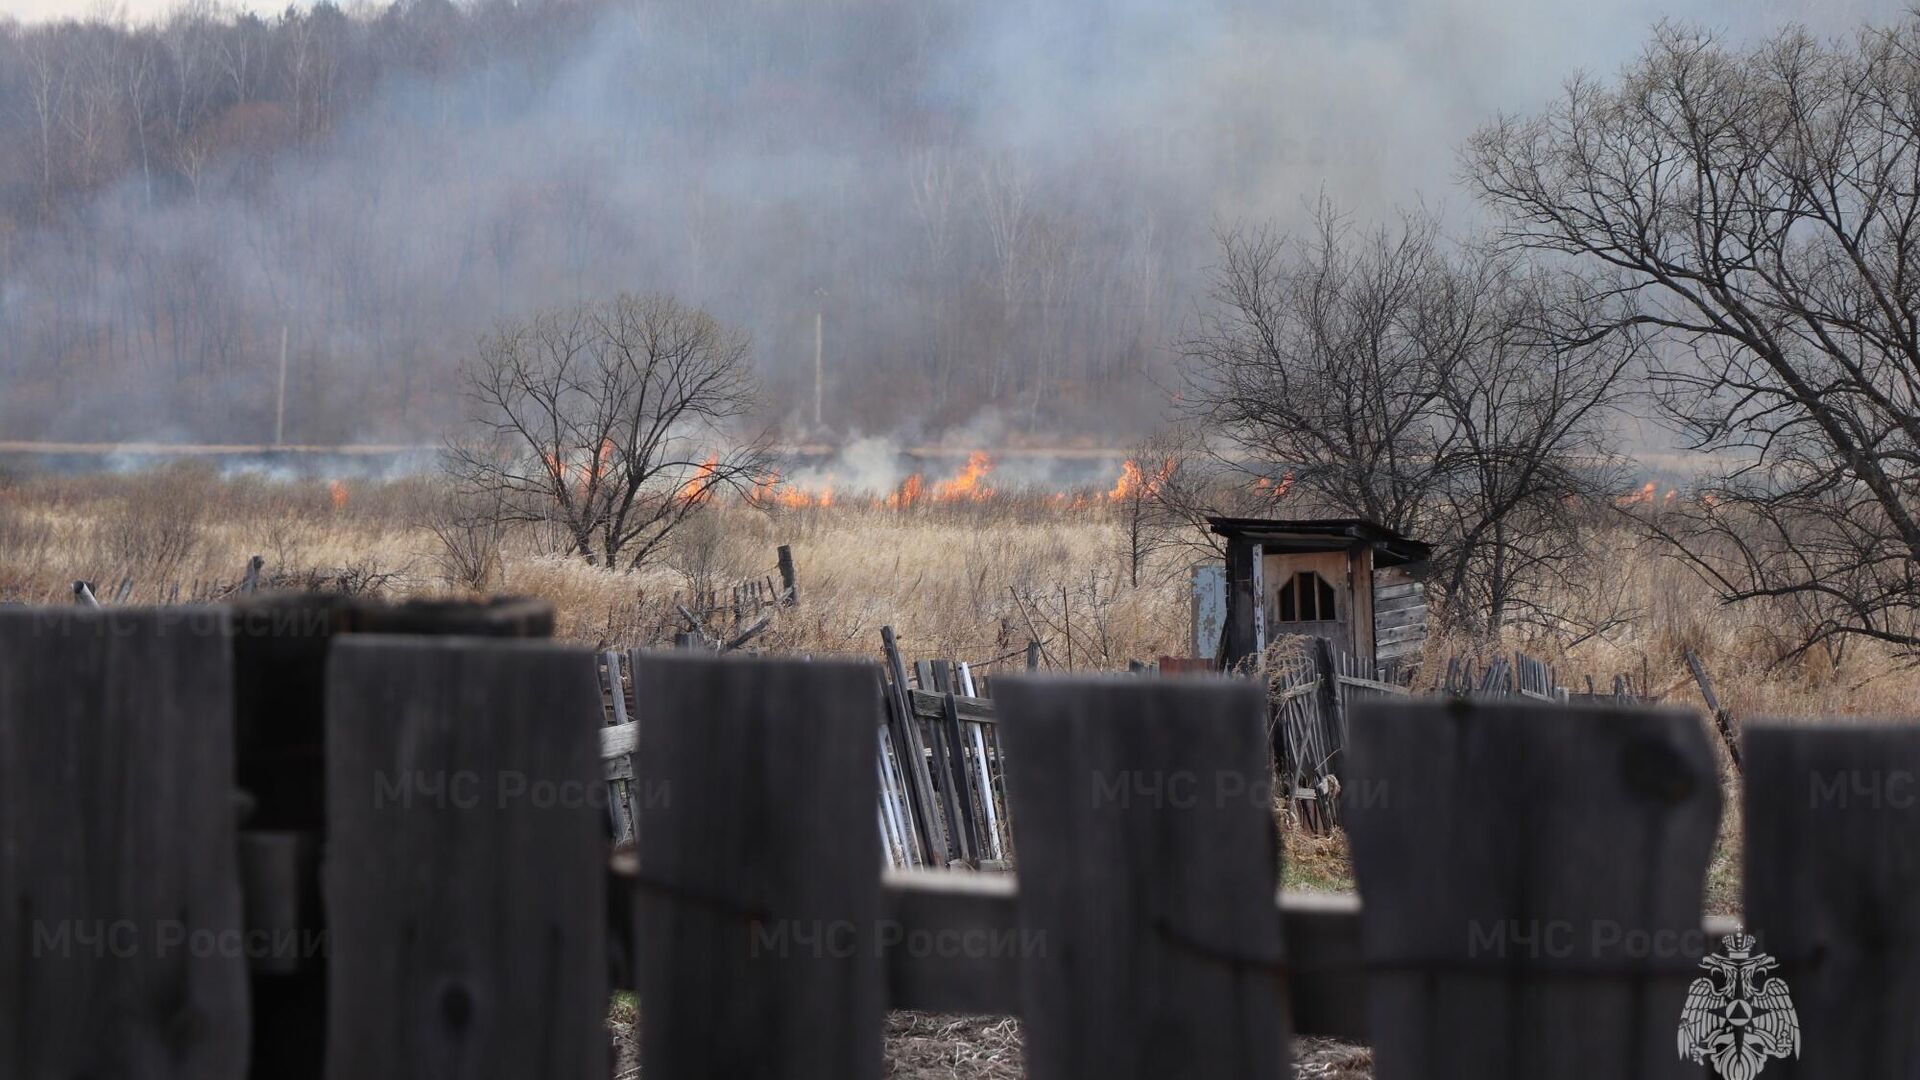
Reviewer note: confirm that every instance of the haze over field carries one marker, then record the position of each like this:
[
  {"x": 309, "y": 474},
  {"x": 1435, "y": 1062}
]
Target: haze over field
[{"x": 998, "y": 214}]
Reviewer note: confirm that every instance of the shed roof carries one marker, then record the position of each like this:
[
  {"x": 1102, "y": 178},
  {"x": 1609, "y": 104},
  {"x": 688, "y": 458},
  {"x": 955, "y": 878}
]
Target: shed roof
[{"x": 1324, "y": 534}]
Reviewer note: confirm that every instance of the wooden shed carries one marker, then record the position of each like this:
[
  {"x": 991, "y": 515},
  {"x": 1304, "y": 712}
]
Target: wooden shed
[{"x": 1350, "y": 581}]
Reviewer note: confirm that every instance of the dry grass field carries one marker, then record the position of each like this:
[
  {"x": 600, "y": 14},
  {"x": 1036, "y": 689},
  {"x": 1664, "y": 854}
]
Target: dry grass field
[{"x": 966, "y": 579}]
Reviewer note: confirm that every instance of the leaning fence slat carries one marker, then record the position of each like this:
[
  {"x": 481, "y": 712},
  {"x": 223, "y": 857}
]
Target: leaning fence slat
[
  {"x": 1144, "y": 817},
  {"x": 1832, "y": 880},
  {"x": 1511, "y": 858},
  {"x": 619, "y": 809},
  {"x": 758, "y": 900},
  {"x": 912, "y": 756},
  {"x": 117, "y": 846},
  {"x": 466, "y": 867}
]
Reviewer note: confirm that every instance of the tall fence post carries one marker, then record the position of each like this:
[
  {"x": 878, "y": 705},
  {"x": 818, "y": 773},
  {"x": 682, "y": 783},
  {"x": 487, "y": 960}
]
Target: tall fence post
[
  {"x": 1149, "y": 944},
  {"x": 1532, "y": 878},
  {"x": 758, "y": 905},
  {"x": 467, "y": 861},
  {"x": 1333, "y": 702},
  {"x": 1833, "y": 890},
  {"x": 117, "y": 846}
]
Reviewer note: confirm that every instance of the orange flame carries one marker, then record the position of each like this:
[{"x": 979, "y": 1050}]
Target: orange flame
[
  {"x": 907, "y": 494},
  {"x": 598, "y": 469},
  {"x": 700, "y": 485},
  {"x": 1639, "y": 498},
  {"x": 1272, "y": 490},
  {"x": 769, "y": 490},
  {"x": 1134, "y": 483},
  {"x": 967, "y": 485},
  {"x": 763, "y": 488},
  {"x": 799, "y": 498},
  {"x": 337, "y": 494}
]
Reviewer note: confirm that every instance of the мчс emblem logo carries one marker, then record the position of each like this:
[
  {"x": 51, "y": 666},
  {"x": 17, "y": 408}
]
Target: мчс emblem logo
[{"x": 1737, "y": 1016}]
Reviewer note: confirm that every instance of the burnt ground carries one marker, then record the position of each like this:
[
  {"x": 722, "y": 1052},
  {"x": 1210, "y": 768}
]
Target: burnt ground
[{"x": 936, "y": 1046}]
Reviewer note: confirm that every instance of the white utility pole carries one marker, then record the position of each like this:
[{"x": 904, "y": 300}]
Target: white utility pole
[
  {"x": 280, "y": 402},
  {"x": 817, "y": 361}
]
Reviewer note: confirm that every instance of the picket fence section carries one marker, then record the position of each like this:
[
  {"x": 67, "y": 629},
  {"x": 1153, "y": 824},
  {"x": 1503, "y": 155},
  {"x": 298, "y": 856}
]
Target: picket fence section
[{"x": 1532, "y": 875}]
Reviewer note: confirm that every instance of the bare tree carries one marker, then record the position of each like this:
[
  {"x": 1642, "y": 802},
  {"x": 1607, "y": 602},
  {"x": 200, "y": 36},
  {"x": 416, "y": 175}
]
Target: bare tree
[
  {"x": 1526, "y": 407},
  {"x": 1310, "y": 363},
  {"x": 1758, "y": 210},
  {"x": 1444, "y": 392},
  {"x": 614, "y": 419}
]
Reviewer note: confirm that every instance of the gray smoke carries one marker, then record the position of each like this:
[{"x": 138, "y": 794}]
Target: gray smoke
[{"x": 995, "y": 210}]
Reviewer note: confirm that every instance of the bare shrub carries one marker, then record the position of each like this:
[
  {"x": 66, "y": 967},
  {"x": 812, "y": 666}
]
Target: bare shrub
[
  {"x": 711, "y": 551},
  {"x": 24, "y": 536},
  {"x": 156, "y": 533},
  {"x": 470, "y": 529}
]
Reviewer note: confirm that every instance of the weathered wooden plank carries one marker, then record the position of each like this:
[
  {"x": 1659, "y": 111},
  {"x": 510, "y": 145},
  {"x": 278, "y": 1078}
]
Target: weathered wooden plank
[
  {"x": 466, "y": 865},
  {"x": 967, "y": 824},
  {"x": 619, "y": 807},
  {"x": 1145, "y": 808},
  {"x": 759, "y": 897},
  {"x": 952, "y": 942},
  {"x": 1832, "y": 876},
  {"x": 1401, "y": 635},
  {"x": 1371, "y": 684},
  {"x": 1395, "y": 617},
  {"x": 1326, "y": 979},
  {"x": 931, "y": 706},
  {"x": 281, "y": 646},
  {"x": 619, "y": 741},
  {"x": 1512, "y": 858},
  {"x": 122, "y": 948},
  {"x": 912, "y": 751}
]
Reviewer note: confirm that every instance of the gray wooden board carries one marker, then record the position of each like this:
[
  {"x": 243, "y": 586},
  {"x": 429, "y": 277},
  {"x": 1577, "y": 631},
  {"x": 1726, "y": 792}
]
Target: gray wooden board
[
  {"x": 911, "y": 751},
  {"x": 1401, "y": 635},
  {"x": 931, "y": 706},
  {"x": 964, "y": 953},
  {"x": 966, "y": 824},
  {"x": 466, "y": 863},
  {"x": 121, "y": 947},
  {"x": 1508, "y": 856},
  {"x": 618, "y": 740},
  {"x": 759, "y": 906},
  {"x": 1145, "y": 821},
  {"x": 1391, "y": 618},
  {"x": 1833, "y": 890}
]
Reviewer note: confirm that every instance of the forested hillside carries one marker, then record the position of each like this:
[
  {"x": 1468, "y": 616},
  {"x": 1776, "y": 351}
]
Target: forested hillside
[{"x": 380, "y": 185}]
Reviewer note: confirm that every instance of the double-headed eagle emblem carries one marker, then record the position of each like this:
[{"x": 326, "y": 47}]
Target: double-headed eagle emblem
[{"x": 1737, "y": 1016}]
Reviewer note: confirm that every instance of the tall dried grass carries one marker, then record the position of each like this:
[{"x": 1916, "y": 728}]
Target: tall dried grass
[{"x": 969, "y": 580}]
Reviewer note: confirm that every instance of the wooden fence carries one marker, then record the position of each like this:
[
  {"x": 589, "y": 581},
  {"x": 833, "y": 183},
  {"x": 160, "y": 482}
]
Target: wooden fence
[
  {"x": 1532, "y": 873},
  {"x": 1311, "y": 695}
]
